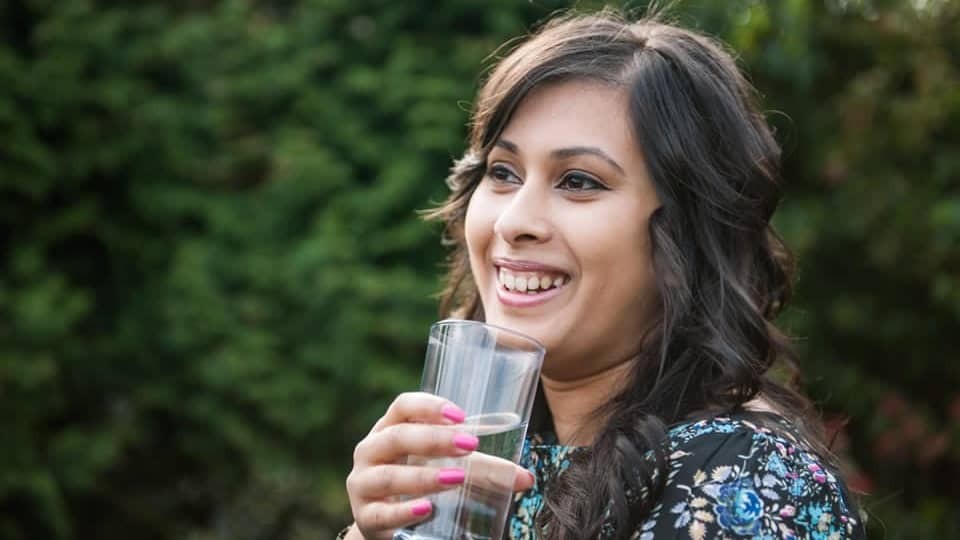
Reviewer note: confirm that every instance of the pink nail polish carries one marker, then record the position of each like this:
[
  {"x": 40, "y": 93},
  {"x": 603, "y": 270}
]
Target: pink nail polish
[
  {"x": 453, "y": 413},
  {"x": 465, "y": 441},
  {"x": 421, "y": 508},
  {"x": 451, "y": 476}
]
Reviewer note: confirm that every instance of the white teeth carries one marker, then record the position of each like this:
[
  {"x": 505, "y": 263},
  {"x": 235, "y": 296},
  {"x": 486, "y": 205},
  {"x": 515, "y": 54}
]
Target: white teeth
[{"x": 529, "y": 283}]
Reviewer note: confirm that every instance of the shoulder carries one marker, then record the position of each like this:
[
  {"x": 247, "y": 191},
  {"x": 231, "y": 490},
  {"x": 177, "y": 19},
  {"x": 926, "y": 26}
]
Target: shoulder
[
  {"x": 733, "y": 478},
  {"x": 734, "y": 432}
]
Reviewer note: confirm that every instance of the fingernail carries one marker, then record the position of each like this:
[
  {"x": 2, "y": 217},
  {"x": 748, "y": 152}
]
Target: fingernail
[
  {"x": 451, "y": 476},
  {"x": 465, "y": 441},
  {"x": 453, "y": 413},
  {"x": 421, "y": 508}
]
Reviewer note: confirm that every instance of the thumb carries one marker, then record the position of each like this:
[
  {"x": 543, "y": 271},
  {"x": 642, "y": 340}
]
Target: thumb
[{"x": 523, "y": 480}]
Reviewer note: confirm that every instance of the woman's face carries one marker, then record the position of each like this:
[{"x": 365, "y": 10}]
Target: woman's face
[{"x": 557, "y": 230}]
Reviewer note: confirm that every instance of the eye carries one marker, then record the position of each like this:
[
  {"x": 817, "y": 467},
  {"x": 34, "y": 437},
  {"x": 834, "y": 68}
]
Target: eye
[
  {"x": 578, "y": 181},
  {"x": 502, "y": 175}
]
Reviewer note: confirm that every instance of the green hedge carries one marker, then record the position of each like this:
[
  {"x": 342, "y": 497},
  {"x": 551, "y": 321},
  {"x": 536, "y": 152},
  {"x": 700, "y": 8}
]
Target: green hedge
[{"x": 214, "y": 280}]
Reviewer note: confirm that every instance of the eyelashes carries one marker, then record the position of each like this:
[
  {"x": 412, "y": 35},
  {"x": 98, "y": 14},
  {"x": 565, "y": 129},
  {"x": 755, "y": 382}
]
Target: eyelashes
[
  {"x": 578, "y": 181},
  {"x": 502, "y": 174},
  {"x": 574, "y": 181}
]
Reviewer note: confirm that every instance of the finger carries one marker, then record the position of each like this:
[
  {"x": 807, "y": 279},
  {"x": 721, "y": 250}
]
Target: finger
[
  {"x": 400, "y": 440},
  {"x": 494, "y": 473},
  {"x": 420, "y": 407},
  {"x": 388, "y": 480},
  {"x": 523, "y": 479},
  {"x": 382, "y": 516}
]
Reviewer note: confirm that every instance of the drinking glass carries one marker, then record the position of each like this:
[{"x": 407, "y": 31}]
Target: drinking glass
[{"x": 492, "y": 374}]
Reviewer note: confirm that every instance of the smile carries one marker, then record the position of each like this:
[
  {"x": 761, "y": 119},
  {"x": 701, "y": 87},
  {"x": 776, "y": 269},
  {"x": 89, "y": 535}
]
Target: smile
[
  {"x": 527, "y": 289},
  {"x": 530, "y": 282}
]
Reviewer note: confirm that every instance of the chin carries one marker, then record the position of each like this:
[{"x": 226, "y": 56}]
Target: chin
[{"x": 538, "y": 328}]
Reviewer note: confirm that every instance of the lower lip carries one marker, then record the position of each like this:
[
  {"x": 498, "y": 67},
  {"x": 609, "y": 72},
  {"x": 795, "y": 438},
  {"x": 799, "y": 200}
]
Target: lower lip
[{"x": 523, "y": 300}]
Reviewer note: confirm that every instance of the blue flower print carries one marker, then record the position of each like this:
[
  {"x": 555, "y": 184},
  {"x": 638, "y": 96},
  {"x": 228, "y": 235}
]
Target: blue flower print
[
  {"x": 739, "y": 508},
  {"x": 776, "y": 466},
  {"x": 726, "y": 478},
  {"x": 797, "y": 487}
]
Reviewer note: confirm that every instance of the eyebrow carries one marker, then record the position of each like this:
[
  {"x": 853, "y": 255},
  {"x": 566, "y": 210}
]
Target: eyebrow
[{"x": 564, "y": 153}]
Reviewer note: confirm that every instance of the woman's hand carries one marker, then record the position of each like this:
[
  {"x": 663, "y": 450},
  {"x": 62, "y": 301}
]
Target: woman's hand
[{"x": 422, "y": 425}]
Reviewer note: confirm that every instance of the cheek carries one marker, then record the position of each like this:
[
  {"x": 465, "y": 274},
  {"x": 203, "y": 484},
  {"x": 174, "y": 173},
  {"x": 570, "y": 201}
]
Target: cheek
[
  {"x": 637, "y": 277},
  {"x": 478, "y": 227},
  {"x": 616, "y": 264}
]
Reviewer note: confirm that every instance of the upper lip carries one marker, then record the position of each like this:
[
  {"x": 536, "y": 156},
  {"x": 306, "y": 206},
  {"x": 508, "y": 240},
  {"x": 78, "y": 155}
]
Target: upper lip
[{"x": 525, "y": 266}]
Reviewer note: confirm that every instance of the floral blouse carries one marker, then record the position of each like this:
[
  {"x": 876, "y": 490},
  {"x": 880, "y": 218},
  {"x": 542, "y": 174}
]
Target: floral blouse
[{"x": 728, "y": 478}]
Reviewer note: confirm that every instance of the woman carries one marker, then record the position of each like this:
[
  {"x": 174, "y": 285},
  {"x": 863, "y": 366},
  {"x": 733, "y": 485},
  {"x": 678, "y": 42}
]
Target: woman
[{"x": 615, "y": 204}]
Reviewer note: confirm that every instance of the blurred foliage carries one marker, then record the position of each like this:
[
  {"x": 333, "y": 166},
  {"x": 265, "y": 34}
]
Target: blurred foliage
[{"x": 213, "y": 279}]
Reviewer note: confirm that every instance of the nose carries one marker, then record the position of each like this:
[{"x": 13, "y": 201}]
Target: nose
[{"x": 525, "y": 219}]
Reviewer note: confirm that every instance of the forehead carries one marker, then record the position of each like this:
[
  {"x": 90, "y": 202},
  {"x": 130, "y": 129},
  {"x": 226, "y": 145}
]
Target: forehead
[{"x": 574, "y": 114}]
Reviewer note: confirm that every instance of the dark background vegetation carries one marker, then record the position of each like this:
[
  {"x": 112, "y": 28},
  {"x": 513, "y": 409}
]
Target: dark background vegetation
[{"x": 213, "y": 279}]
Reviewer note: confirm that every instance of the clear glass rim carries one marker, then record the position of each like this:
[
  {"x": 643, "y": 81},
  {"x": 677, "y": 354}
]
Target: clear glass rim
[{"x": 466, "y": 322}]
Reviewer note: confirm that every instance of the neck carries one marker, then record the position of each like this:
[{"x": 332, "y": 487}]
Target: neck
[{"x": 572, "y": 401}]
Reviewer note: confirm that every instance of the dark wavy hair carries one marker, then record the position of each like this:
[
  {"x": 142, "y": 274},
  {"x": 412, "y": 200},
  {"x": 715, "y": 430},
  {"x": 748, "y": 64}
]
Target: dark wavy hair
[{"x": 722, "y": 272}]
